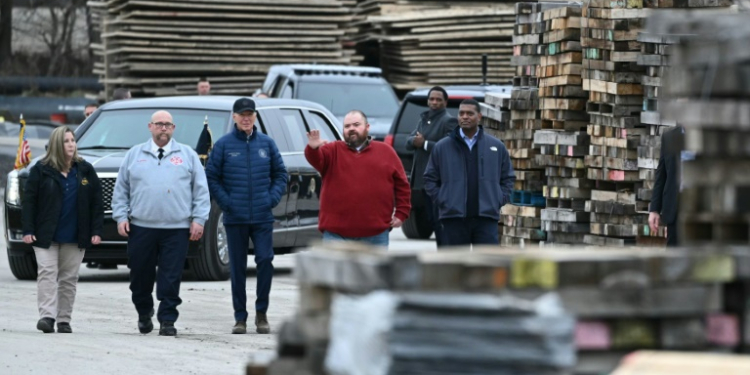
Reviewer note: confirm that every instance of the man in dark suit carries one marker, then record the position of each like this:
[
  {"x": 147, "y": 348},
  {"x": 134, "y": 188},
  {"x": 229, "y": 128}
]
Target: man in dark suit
[
  {"x": 434, "y": 125},
  {"x": 663, "y": 207}
]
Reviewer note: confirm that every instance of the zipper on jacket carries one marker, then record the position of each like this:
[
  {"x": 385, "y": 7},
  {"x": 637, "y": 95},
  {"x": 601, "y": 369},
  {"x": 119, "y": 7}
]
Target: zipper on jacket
[{"x": 249, "y": 175}]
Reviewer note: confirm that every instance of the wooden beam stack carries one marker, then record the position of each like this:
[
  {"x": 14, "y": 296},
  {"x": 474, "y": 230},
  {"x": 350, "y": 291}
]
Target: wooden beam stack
[
  {"x": 624, "y": 299},
  {"x": 563, "y": 111},
  {"x": 445, "y": 46},
  {"x": 715, "y": 201},
  {"x": 162, "y": 48},
  {"x": 528, "y": 49},
  {"x": 612, "y": 77}
]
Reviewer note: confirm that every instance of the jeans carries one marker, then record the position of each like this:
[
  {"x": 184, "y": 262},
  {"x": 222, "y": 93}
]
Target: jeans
[
  {"x": 474, "y": 231},
  {"x": 376, "y": 240},
  {"x": 238, "y": 238}
]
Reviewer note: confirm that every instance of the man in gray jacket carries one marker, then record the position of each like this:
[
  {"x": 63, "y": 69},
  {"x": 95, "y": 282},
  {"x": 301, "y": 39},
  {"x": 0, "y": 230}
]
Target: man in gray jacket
[
  {"x": 433, "y": 126},
  {"x": 160, "y": 201}
]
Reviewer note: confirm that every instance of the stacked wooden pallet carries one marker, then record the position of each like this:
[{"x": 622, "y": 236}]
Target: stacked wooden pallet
[
  {"x": 655, "y": 55},
  {"x": 525, "y": 120},
  {"x": 655, "y": 50},
  {"x": 612, "y": 77},
  {"x": 715, "y": 201},
  {"x": 563, "y": 110},
  {"x": 445, "y": 46},
  {"x": 624, "y": 299},
  {"x": 162, "y": 48}
]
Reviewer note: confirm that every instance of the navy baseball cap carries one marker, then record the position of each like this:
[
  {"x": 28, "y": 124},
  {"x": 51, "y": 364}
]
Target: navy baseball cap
[{"x": 243, "y": 105}]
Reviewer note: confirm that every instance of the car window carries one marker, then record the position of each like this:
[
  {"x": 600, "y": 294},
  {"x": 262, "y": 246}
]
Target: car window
[
  {"x": 10, "y": 129},
  {"x": 42, "y": 132},
  {"x": 413, "y": 109},
  {"x": 294, "y": 127},
  {"x": 319, "y": 122},
  {"x": 286, "y": 92},
  {"x": 375, "y": 100},
  {"x": 277, "y": 86},
  {"x": 128, "y": 127}
]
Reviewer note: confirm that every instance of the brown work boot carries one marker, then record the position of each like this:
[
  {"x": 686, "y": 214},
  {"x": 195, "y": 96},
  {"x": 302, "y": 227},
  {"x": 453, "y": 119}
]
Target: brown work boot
[
  {"x": 261, "y": 323},
  {"x": 240, "y": 328}
]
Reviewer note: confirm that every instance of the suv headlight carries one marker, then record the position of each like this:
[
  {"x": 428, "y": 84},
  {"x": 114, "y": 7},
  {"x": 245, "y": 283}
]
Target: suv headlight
[{"x": 12, "y": 189}]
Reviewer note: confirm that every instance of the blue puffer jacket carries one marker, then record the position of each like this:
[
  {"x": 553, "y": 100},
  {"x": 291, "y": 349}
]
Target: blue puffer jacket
[{"x": 246, "y": 177}]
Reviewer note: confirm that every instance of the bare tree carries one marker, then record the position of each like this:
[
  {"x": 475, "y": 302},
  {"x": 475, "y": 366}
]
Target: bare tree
[{"x": 53, "y": 24}]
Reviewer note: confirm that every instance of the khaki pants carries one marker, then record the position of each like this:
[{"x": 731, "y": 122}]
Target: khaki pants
[{"x": 57, "y": 278}]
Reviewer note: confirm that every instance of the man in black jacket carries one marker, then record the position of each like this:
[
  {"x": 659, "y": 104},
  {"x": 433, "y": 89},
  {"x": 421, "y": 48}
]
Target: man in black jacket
[
  {"x": 469, "y": 177},
  {"x": 433, "y": 126},
  {"x": 663, "y": 205}
]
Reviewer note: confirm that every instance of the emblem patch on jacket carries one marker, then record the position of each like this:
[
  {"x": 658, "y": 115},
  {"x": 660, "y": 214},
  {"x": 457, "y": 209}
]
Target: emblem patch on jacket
[
  {"x": 176, "y": 160},
  {"x": 263, "y": 153},
  {"x": 84, "y": 181}
]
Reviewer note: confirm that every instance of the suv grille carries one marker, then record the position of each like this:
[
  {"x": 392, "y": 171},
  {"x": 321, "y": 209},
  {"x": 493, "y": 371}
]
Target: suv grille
[{"x": 108, "y": 189}]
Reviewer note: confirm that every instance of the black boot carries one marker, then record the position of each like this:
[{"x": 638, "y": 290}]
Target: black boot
[
  {"x": 167, "y": 329},
  {"x": 145, "y": 325},
  {"x": 46, "y": 325}
]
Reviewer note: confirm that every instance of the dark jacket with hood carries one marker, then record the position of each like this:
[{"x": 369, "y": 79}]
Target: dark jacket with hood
[
  {"x": 43, "y": 200},
  {"x": 446, "y": 178}
]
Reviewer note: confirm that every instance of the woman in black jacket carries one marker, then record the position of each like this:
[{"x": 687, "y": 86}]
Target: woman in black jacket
[{"x": 62, "y": 217}]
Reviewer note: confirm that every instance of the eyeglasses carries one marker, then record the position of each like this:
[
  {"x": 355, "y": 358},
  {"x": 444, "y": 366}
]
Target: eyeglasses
[{"x": 163, "y": 125}]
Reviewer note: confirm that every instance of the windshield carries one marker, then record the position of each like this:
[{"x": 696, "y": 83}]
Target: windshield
[
  {"x": 412, "y": 110},
  {"x": 127, "y": 127},
  {"x": 340, "y": 98}
]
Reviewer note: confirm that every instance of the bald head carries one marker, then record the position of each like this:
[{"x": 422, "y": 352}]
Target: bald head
[
  {"x": 160, "y": 116},
  {"x": 161, "y": 127}
]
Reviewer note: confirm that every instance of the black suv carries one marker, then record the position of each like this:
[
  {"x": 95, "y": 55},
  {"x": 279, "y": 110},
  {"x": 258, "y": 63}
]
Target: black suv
[
  {"x": 104, "y": 138},
  {"x": 415, "y": 102},
  {"x": 338, "y": 88}
]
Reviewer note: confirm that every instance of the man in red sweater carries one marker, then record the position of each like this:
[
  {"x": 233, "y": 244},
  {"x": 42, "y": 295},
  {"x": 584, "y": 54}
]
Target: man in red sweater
[{"x": 361, "y": 182}]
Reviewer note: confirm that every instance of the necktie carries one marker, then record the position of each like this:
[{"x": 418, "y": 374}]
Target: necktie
[{"x": 161, "y": 153}]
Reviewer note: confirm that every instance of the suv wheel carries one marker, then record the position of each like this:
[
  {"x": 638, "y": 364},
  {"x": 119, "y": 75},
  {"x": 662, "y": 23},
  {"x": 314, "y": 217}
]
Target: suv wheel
[
  {"x": 417, "y": 226},
  {"x": 23, "y": 266},
  {"x": 212, "y": 263}
]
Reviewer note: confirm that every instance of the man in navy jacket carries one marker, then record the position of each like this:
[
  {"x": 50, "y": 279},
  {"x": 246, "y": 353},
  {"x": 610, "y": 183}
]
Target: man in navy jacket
[
  {"x": 247, "y": 178},
  {"x": 469, "y": 178}
]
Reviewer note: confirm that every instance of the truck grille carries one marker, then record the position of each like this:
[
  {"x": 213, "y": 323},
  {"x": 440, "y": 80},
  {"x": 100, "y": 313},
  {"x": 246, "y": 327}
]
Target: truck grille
[{"x": 108, "y": 189}]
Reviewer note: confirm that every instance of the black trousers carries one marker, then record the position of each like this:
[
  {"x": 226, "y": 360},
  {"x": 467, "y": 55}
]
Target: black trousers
[
  {"x": 671, "y": 235},
  {"x": 147, "y": 249},
  {"x": 474, "y": 231},
  {"x": 433, "y": 215}
]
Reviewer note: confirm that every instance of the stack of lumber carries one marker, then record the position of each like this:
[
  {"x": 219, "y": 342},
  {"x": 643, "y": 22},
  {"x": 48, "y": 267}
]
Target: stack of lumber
[
  {"x": 715, "y": 200},
  {"x": 624, "y": 299},
  {"x": 162, "y": 48},
  {"x": 655, "y": 55},
  {"x": 612, "y": 76},
  {"x": 365, "y": 8},
  {"x": 563, "y": 110},
  {"x": 670, "y": 363},
  {"x": 445, "y": 46},
  {"x": 528, "y": 49},
  {"x": 655, "y": 50}
]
